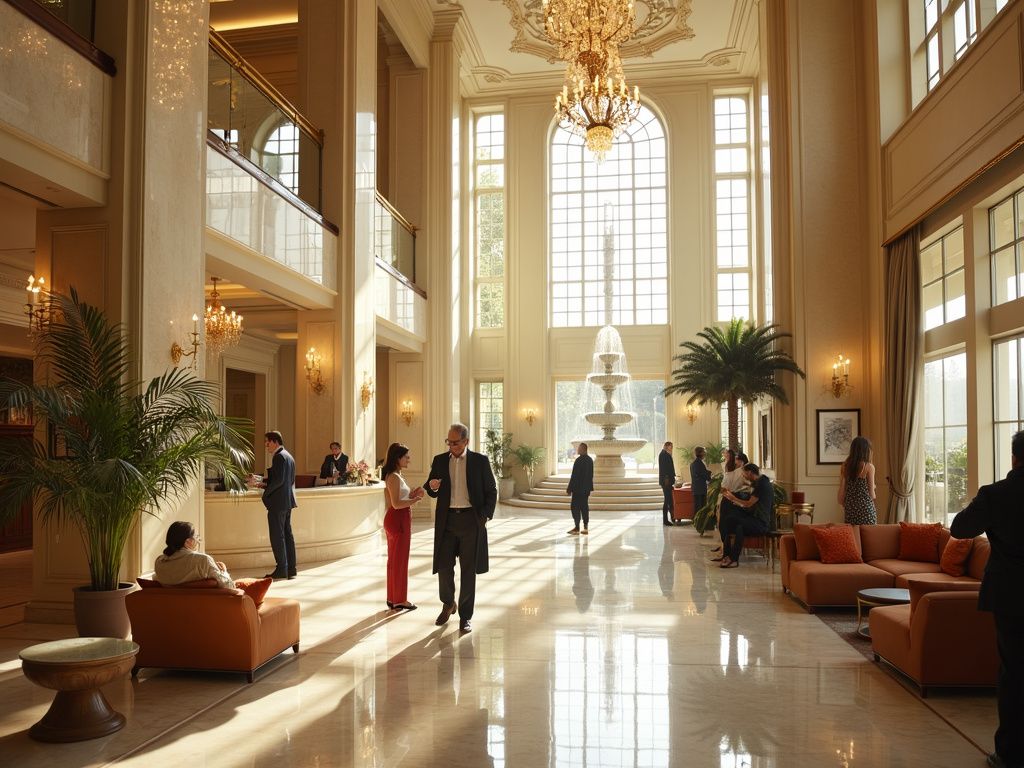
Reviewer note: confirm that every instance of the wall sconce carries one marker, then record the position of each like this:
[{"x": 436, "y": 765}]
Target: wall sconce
[
  {"x": 691, "y": 412},
  {"x": 366, "y": 391},
  {"x": 530, "y": 415},
  {"x": 177, "y": 352},
  {"x": 313, "y": 373},
  {"x": 841, "y": 377},
  {"x": 37, "y": 311},
  {"x": 407, "y": 412}
]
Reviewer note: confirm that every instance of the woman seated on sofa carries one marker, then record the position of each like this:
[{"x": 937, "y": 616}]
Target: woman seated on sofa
[
  {"x": 733, "y": 480},
  {"x": 182, "y": 561}
]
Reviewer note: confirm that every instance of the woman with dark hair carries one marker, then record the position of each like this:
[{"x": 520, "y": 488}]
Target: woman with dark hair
[
  {"x": 182, "y": 561},
  {"x": 398, "y": 524},
  {"x": 733, "y": 480},
  {"x": 857, "y": 484}
]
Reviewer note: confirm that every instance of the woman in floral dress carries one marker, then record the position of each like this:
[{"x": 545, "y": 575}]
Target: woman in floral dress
[{"x": 857, "y": 484}]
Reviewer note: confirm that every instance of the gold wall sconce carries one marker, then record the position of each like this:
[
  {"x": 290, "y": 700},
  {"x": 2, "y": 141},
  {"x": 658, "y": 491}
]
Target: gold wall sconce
[
  {"x": 366, "y": 391},
  {"x": 530, "y": 415},
  {"x": 35, "y": 307},
  {"x": 407, "y": 412},
  {"x": 840, "y": 386},
  {"x": 313, "y": 372},
  {"x": 178, "y": 352},
  {"x": 691, "y": 412}
]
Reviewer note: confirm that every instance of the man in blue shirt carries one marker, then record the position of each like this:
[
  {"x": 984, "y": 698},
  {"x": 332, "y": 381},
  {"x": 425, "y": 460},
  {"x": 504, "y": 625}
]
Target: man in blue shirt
[{"x": 745, "y": 517}]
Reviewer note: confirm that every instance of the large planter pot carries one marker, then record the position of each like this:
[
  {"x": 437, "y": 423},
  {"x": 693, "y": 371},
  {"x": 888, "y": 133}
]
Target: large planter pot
[
  {"x": 506, "y": 488},
  {"x": 102, "y": 613}
]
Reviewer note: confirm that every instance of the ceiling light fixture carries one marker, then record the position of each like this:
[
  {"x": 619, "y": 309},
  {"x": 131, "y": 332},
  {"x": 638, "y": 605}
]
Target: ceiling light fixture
[{"x": 223, "y": 328}]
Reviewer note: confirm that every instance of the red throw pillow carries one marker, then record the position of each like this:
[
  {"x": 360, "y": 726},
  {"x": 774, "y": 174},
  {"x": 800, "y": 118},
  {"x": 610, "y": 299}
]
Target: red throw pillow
[
  {"x": 200, "y": 584},
  {"x": 254, "y": 588},
  {"x": 148, "y": 583},
  {"x": 920, "y": 542},
  {"x": 954, "y": 556},
  {"x": 836, "y": 544}
]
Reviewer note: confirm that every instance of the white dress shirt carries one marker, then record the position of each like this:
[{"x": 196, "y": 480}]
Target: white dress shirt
[{"x": 460, "y": 491}]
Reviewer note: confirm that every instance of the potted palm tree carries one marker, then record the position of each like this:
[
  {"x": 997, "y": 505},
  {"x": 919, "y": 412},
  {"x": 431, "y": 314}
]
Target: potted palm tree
[
  {"x": 115, "y": 448},
  {"x": 738, "y": 363},
  {"x": 497, "y": 446},
  {"x": 528, "y": 457}
]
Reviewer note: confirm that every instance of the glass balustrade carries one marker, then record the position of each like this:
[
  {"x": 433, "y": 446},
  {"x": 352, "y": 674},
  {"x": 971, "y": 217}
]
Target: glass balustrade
[
  {"x": 394, "y": 239},
  {"x": 77, "y": 14}
]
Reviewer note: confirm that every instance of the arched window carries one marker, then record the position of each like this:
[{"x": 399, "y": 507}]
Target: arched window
[
  {"x": 281, "y": 155},
  {"x": 609, "y": 241}
]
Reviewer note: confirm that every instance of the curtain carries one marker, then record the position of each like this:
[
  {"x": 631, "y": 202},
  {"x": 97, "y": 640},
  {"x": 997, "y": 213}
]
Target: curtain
[{"x": 904, "y": 342}]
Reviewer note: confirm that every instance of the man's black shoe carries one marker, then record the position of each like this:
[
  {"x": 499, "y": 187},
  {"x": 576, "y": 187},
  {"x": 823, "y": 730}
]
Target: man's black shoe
[
  {"x": 275, "y": 575},
  {"x": 465, "y": 626},
  {"x": 445, "y": 614}
]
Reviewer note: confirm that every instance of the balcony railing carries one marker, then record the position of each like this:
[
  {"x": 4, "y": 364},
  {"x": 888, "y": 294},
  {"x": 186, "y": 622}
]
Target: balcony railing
[
  {"x": 248, "y": 114},
  {"x": 394, "y": 239}
]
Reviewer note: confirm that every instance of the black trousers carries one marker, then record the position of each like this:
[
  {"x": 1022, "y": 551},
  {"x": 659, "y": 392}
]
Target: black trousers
[
  {"x": 737, "y": 522},
  {"x": 281, "y": 541},
  {"x": 580, "y": 505},
  {"x": 668, "y": 507},
  {"x": 460, "y": 537},
  {"x": 1010, "y": 733}
]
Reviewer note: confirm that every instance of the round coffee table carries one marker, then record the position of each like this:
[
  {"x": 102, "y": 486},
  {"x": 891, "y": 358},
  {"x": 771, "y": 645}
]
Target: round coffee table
[
  {"x": 873, "y": 598},
  {"x": 76, "y": 668}
]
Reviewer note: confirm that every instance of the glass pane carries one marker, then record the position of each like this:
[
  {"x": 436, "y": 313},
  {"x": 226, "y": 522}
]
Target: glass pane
[
  {"x": 1004, "y": 277},
  {"x": 1001, "y": 223},
  {"x": 953, "y": 249},
  {"x": 931, "y": 263},
  {"x": 1003, "y": 435},
  {"x": 931, "y": 13},
  {"x": 960, "y": 29},
  {"x": 933, "y": 393},
  {"x": 934, "y": 475},
  {"x": 491, "y": 305},
  {"x": 956, "y": 471},
  {"x": 490, "y": 175},
  {"x": 933, "y": 61},
  {"x": 1006, "y": 380},
  {"x": 570, "y": 405},
  {"x": 955, "y": 385},
  {"x": 931, "y": 299},
  {"x": 956, "y": 305}
]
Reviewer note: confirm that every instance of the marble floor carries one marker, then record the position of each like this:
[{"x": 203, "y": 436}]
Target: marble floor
[{"x": 623, "y": 648}]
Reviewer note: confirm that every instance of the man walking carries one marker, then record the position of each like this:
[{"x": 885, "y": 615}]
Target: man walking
[
  {"x": 700, "y": 475},
  {"x": 463, "y": 484},
  {"x": 279, "y": 499},
  {"x": 581, "y": 484},
  {"x": 666, "y": 479},
  {"x": 996, "y": 512}
]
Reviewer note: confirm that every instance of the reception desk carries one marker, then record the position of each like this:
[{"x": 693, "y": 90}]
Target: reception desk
[{"x": 330, "y": 522}]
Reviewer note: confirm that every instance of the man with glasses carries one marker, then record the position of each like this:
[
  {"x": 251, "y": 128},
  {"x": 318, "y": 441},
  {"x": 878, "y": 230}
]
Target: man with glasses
[{"x": 462, "y": 482}]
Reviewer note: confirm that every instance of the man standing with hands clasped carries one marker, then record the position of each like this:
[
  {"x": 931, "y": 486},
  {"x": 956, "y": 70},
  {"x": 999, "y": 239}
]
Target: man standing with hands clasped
[
  {"x": 463, "y": 484},
  {"x": 581, "y": 484}
]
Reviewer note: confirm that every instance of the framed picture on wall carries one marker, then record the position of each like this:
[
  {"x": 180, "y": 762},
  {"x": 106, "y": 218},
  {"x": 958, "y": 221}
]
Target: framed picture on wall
[
  {"x": 836, "y": 430},
  {"x": 765, "y": 439}
]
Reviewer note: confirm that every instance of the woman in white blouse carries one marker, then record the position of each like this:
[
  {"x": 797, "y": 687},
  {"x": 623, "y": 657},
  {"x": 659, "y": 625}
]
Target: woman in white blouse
[
  {"x": 398, "y": 525},
  {"x": 732, "y": 480},
  {"x": 182, "y": 561}
]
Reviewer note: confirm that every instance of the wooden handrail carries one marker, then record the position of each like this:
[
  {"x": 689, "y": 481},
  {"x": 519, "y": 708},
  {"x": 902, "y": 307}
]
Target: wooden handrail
[
  {"x": 400, "y": 277},
  {"x": 223, "y": 48},
  {"x": 395, "y": 214},
  {"x": 33, "y": 10}
]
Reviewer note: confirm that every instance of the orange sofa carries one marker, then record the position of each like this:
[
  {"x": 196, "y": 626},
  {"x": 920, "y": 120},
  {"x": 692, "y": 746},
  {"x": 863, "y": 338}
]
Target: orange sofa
[
  {"x": 940, "y": 638},
  {"x": 210, "y": 629},
  {"x": 817, "y": 584}
]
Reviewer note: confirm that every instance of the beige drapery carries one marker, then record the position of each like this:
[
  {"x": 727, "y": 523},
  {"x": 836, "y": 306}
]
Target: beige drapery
[{"x": 904, "y": 343}]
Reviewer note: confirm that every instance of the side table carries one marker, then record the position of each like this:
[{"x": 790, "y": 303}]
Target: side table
[
  {"x": 873, "y": 598},
  {"x": 76, "y": 668}
]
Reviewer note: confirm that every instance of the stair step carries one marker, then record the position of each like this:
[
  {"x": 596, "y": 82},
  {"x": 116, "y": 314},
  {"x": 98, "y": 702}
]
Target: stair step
[
  {"x": 599, "y": 494},
  {"x": 604, "y": 507}
]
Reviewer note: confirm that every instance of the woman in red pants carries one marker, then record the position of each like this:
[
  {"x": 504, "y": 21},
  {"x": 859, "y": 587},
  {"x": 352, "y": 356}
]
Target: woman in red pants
[{"x": 397, "y": 525}]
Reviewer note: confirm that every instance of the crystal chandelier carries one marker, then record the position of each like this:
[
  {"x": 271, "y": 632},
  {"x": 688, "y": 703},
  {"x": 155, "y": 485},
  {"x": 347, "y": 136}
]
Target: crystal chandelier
[
  {"x": 597, "y": 110},
  {"x": 223, "y": 328},
  {"x": 589, "y": 31}
]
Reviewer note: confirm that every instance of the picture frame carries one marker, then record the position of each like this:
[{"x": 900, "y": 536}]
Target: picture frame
[
  {"x": 765, "y": 439},
  {"x": 836, "y": 429}
]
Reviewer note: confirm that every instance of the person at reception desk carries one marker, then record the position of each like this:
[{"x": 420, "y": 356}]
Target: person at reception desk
[
  {"x": 335, "y": 466},
  {"x": 182, "y": 561},
  {"x": 279, "y": 499}
]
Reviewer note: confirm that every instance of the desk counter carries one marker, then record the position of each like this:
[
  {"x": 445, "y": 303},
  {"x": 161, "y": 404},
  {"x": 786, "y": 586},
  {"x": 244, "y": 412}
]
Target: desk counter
[{"x": 330, "y": 522}]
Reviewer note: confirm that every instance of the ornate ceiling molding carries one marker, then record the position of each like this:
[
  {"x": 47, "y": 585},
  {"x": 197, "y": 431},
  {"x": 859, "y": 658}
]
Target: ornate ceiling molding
[{"x": 659, "y": 23}]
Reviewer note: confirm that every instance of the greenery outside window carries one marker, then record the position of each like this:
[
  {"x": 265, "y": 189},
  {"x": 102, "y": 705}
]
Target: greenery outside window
[
  {"x": 489, "y": 219},
  {"x": 943, "y": 296},
  {"x": 945, "y": 437},
  {"x": 490, "y": 405}
]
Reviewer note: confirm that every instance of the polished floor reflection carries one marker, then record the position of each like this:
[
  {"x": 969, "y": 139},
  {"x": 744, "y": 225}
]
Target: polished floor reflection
[{"x": 624, "y": 648}]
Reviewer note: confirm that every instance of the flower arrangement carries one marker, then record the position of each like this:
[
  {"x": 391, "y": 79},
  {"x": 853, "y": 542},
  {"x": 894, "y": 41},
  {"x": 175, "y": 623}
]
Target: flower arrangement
[{"x": 358, "y": 473}]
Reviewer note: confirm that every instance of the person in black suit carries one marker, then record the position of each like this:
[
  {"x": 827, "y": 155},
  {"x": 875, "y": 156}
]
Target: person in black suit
[
  {"x": 996, "y": 512},
  {"x": 581, "y": 484},
  {"x": 463, "y": 484},
  {"x": 666, "y": 479},
  {"x": 279, "y": 499},
  {"x": 700, "y": 476},
  {"x": 334, "y": 462}
]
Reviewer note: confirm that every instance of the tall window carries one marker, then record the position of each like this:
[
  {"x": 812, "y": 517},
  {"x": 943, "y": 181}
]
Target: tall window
[
  {"x": 724, "y": 429},
  {"x": 942, "y": 32},
  {"x": 942, "y": 279},
  {"x": 732, "y": 207},
  {"x": 609, "y": 229},
  {"x": 945, "y": 437},
  {"x": 281, "y": 155},
  {"x": 489, "y": 219},
  {"x": 1006, "y": 241},
  {"x": 1008, "y": 401},
  {"x": 490, "y": 402}
]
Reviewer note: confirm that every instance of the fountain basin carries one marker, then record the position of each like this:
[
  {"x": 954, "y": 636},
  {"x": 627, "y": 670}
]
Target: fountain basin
[
  {"x": 608, "y": 379},
  {"x": 608, "y": 454},
  {"x": 617, "y": 418}
]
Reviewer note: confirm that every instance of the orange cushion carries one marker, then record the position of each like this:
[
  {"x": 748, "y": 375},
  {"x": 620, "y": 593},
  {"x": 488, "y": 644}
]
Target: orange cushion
[
  {"x": 954, "y": 556},
  {"x": 920, "y": 541},
  {"x": 806, "y": 547},
  {"x": 148, "y": 583},
  {"x": 836, "y": 544},
  {"x": 254, "y": 588},
  {"x": 199, "y": 584}
]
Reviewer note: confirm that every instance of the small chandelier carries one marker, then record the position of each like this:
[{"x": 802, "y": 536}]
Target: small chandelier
[
  {"x": 223, "y": 328},
  {"x": 589, "y": 31},
  {"x": 598, "y": 111},
  {"x": 840, "y": 385}
]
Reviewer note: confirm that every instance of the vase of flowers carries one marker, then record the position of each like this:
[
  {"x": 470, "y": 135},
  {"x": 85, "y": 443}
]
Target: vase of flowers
[{"x": 358, "y": 473}]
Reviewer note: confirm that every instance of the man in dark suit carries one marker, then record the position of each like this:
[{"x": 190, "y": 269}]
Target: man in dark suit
[
  {"x": 335, "y": 465},
  {"x": 463, "y": 484},
  {"x": 279, "y": 499},
  {"x": 700, "y": 475},
  {"x": 581, "y": 484},
  {"x": 666, "y": 479},
  {"x": 996, "y": 512}
]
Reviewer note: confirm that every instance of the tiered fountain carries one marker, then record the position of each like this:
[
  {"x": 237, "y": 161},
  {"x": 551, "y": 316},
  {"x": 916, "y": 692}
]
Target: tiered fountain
[{"x": 609, "y": 374}]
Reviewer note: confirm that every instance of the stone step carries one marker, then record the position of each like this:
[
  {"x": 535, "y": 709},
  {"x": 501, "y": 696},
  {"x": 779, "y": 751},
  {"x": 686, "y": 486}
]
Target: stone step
[
  {"x": 630, "y": 481},
  {"x": 594, "y": 506},
  {"x": 630, "y": 493}
]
